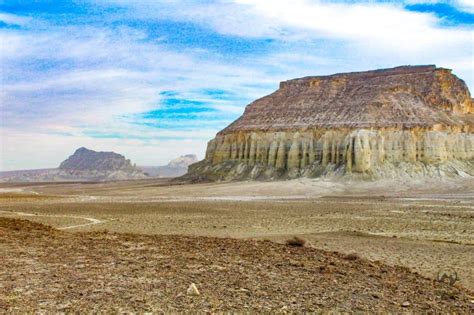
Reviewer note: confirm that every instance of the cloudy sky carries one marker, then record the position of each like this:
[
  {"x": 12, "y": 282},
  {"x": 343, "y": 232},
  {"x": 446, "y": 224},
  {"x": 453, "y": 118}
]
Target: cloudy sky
[{"x": 157, "y": 79}]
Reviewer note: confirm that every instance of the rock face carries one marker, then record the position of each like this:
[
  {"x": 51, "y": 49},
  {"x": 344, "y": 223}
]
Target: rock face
[
  {"x": 88, "y": 160},
  {"x": 404, "y": 121},
  {"x": 83, "y": 165},
  {"x": 176, "y": 167},
  {"x": 87, "y": 164}
]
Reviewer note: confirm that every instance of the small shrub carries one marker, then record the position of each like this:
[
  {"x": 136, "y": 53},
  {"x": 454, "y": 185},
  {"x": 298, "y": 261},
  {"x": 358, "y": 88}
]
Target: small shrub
[
  {"x": 447, "y": 275},
  {"x": 296, "y": 241},
  {"x": 352, "y": 256}
]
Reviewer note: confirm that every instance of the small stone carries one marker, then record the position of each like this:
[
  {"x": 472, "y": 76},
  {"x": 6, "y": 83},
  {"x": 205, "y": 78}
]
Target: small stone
[
  {"x": 193, "y": 290},
  {"x": 406, "y": 304}
]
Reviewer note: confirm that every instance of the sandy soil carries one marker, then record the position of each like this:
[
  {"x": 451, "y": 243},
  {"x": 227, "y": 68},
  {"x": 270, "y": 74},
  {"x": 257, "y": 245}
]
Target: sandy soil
[{"x": 47, "y": 270}]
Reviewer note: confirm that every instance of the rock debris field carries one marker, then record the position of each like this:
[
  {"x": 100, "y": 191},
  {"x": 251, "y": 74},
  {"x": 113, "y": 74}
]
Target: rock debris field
[{"x": 47, "y": 270}]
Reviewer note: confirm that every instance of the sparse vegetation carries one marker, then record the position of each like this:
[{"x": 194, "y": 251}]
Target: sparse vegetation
[
  {"x": 143, "y": 207},
  {"x": 18, "y": 196},
  {"x": 52, "y": 271},
  {"x": 352, "y": 256},
  {"x": 296, "y": 241}
]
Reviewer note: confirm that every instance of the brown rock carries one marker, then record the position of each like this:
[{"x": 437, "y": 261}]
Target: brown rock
[{"x": 411, "y": 120}]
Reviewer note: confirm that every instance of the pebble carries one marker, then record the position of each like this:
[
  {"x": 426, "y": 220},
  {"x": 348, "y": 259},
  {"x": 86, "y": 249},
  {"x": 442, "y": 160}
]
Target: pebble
[
  {"x": 406, "y": 304},
  {"x": 193, "y": 290}
]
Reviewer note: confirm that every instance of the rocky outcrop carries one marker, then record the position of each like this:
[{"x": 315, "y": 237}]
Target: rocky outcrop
[
  {"x": 176, "y": 167},
  {"x": 83, "y": 165},
  {"x": 84, "y": 159},
  {"x": 412, "y": 120},
  {"x": 87, "y": 164}
]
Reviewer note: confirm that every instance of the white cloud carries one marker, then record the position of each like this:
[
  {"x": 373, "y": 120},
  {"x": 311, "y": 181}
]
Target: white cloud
[
  {"x": 368, "y": 34},
  {"x": 103, "y": 73},
  {"x": 13, "y": 19},
  {"x": 466, "y": 5},
  {"x": 79, "y": 79},
  {"x": 384, "y": 26},
  {"x": 66, "y": 83}
]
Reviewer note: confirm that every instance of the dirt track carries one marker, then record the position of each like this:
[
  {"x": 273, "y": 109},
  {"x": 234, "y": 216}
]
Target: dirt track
[{"x": 90, "y": 221}]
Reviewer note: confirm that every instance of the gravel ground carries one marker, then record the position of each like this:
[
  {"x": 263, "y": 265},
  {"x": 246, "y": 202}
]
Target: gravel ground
[{"x": 46, "y": 270}]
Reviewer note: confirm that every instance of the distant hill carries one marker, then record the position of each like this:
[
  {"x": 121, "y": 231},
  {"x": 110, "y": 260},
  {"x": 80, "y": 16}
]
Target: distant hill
[
  {"x": 35, "y": 175},
  {"x": 89, "y": 165},
  {"x": 88, "y": 160},
  {"x": 83, "y": 165},
  {"x": 174, "y": 168}
]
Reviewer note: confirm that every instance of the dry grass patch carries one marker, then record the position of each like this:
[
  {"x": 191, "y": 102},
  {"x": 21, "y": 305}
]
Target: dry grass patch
[
  {"x": 296, "y": 241},
  {"x": 352, "y": 256},
  {"x": 12, "y": 196}
]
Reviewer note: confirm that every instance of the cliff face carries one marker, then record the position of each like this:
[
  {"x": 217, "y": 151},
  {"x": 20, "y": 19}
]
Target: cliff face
[
  {"x": 87, "y": 164},
  {"x": 83, "y": 165},
  {"x": 176, "y": 167},
  {"x": 84, "y": 159},
  {"x": 405, "y": 120}
]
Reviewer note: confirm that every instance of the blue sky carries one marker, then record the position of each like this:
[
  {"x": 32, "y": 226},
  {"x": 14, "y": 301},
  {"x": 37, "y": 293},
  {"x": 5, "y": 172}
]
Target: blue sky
[{"x": 157, "y": 79}]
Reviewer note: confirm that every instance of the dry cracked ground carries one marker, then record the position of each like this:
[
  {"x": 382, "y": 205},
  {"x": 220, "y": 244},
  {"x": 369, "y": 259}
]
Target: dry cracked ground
[{"x": 138, "y": 246}]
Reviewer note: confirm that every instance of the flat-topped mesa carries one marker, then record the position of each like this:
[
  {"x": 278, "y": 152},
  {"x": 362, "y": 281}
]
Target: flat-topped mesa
[
  {"x": 84, "y": 159},
  {"x": 404, "y": 120},
  {"x": 87, "y": 165}
]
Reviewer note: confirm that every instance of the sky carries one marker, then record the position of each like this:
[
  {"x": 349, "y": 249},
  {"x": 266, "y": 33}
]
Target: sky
[{"x": 154, "y": 80}]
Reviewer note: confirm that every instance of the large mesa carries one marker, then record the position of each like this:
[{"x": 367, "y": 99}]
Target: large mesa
[
  {"x": 404, "y": 121},
  {"x": 87, "y": 164},
  {"x": 84, "y": 159}
]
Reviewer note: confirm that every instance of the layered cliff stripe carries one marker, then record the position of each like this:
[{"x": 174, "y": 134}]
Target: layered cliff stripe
[{"x": 360, "y": 122}]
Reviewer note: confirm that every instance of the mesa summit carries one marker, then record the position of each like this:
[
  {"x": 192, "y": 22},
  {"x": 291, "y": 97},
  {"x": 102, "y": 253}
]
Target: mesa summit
[{"x": 404, "y": 121}]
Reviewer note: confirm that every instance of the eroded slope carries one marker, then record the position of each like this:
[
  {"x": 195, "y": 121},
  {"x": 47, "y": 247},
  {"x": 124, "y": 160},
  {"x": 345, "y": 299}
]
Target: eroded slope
[{"x": 383, "y": 123}]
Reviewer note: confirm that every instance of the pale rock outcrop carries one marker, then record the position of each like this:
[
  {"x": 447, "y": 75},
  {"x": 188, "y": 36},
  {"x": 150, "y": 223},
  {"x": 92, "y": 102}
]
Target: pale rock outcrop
[
  {"x": 175, "y": 168},
  {"x": 415, "y": 121}
]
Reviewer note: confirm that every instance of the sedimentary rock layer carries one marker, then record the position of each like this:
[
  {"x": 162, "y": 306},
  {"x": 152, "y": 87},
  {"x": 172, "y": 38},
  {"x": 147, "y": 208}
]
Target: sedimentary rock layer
[
  {"x": 367, "y": 122},
  {"x": 87, "y": 165},
  {"x": 84, "y": 159}
]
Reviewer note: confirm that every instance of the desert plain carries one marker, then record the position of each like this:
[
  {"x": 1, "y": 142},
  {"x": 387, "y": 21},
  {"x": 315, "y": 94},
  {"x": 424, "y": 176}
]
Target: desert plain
[{"x": 137, "y": 245}]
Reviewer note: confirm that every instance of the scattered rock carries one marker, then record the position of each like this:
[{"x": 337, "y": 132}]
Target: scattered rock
[
  {"x": 258, "y": 276},
  {"x": 406, "y": 304},
  {"x": 352, "y": 256},
  {"x": 193, "y": 290}
]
